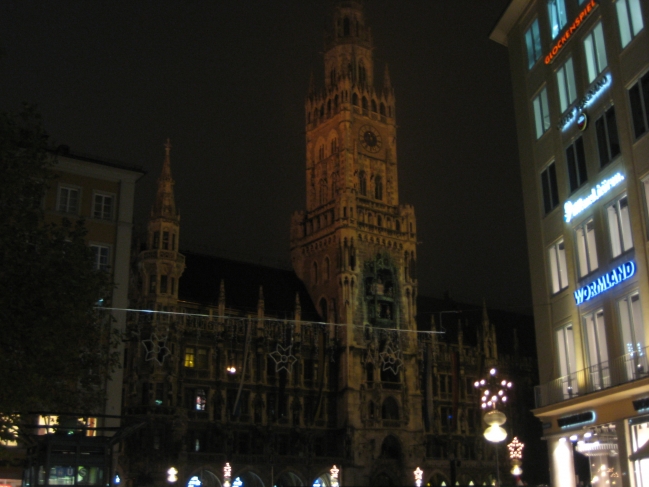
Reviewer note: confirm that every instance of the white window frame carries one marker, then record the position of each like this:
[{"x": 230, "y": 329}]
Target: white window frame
[
  {"x": 541, "y": 112},
  {"x": 629, "y": 17},
  {"x": 632, "y": 335},
  {"x": 101, "y": 263},
  {"x": 100, "y": 212},
  {"x": 557, "y": 266},
  {"x": 586, "y": 248},
  {"x": 557, "y": 16},
  {"x": 566, "y": 84},
  {"x": 596, "y": 349},
  {"x": 565, "y": 343},
  {"x": 63, "y": 202},
  {"x": 595, "y": 50},
  {"x": 533, "y": 43},
  {"x": 619, "y": 225},
  {"x": 550, "y": 194}
]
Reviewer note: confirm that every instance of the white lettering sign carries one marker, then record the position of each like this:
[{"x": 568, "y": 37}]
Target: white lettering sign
[
  {"x": 606, "y": 282},
  {"x": 572, "y": 209}
]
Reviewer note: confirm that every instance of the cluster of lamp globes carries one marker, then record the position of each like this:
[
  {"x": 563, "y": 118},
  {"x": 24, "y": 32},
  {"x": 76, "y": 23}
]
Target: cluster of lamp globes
[{"x": 491, "y": 398}]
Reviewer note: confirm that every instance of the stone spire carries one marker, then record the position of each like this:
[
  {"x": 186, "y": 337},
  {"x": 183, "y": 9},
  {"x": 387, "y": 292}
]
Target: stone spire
[{"x": 165, "y": 204}]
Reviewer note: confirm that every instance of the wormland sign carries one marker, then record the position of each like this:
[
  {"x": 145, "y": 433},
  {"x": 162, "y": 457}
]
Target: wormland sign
[{"x": 607, "y": 281}]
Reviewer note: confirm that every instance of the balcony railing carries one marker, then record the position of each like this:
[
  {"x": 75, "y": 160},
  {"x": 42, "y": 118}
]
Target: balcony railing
[{"x": 627, "y": 368}]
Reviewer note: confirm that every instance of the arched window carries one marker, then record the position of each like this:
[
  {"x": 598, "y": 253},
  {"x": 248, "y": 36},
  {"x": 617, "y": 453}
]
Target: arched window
[
  {"x": 354, "y": 99},
  {"x": 321, "y": 152},
  {"x": 390, "y": 409},
  {"x": 382, "y": 109},
  {"x": 378, "y": 188},
  {"x": 346, "y": 26},
  {"x": 336, "y": 103},
  {"x": 328, "y": 108},
  {"x": 373, "y": 106},
  {"x": 323, "y": 310},
  {"x": 314, "y": 272},
  {"x": 323, "y": 191},
  {"x": 321, "y": 111},
  {"x": 364, "y": 103},
  {"x": 334, "y": 146},
  {"x": 361, "y": 73},
  {"x": 326, "y": 270},
  {"x": 362, "y": 183}
]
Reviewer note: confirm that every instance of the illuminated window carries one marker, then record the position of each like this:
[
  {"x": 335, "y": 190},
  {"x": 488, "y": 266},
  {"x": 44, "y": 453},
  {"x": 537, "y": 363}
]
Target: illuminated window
[
  {"x": 68, "y": 200},
  {"x": 190, "y": 357},
  {"x": 200, "y": 399},
  {"x": 639, "y": 105},
  {"x": 596, "y": 351},
  {"x": 566, "y": 84},
  {"x": 608, "y": 142},
  {"x": 619, "y": 226},
  {"x": 101, "y": 257},
  {"x": 550, "y": 190},
  {"x": 595, "y": 52},
  {"x": 629, "y": 16},
  {"x": 557, "y": 15},
  {"x": 633, "y": 337},
  {"x": 558, "y": 268},
  {"x": 576, "y": 160},
  {"x": 586, "y": 248},
  {"x": 103, "y": 207},
  {"x": 533, "y": 42},
  {"x": 541, "y": 113}
]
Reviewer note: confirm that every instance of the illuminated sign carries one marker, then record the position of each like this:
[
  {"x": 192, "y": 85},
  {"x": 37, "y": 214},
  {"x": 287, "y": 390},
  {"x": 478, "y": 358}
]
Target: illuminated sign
[
  {"x": 589, "y": 97},
  {"x": 237, "y": 482},
  {"x": 572, "y": 209},
  {"x": 571, "y": 30},
  {"x": 116, "y": 481},
  {"x": 575, "y": 419},
  {"x": 606, "y": 282}
]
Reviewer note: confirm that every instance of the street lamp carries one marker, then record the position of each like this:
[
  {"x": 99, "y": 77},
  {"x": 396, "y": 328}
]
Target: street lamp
[{"x": 494, "y": 395}]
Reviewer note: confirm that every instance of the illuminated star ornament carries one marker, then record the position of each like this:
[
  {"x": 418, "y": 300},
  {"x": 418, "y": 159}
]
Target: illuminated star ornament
[
  {"x": 516, "y": 449},
  {"x": 156, "y": 349},
  {"x": 391, "y": 360},
  {"x": 283, "y": 358},
  {"x": 419, "y": 476}
]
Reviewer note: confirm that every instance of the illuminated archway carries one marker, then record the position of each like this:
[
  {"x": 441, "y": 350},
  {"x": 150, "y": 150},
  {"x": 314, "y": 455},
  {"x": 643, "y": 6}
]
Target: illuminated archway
[
  {"x": 288, "y": 479},
  {"x": 203, "y": 478}
]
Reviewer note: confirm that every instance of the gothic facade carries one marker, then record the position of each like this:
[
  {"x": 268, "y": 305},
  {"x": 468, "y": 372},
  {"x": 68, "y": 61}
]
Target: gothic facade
[{"x": 247, "y": 375}]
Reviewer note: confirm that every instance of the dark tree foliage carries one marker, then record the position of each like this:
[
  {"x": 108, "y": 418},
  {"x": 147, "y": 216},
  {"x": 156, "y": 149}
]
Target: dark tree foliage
[{"x": 56, "y": 349}]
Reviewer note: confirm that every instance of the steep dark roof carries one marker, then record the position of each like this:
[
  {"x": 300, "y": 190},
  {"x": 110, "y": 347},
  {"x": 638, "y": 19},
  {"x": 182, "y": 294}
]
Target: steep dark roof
[
  {"x": 470, "y": 315},
  {"x": 203, "y": 274}
]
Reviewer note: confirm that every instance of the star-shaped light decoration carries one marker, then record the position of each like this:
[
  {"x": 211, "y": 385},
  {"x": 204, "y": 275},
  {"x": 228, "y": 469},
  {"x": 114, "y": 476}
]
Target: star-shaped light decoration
[
  {"x": 333, "y": 473},
  {"x": 156, "y": 349},
  {"x": 419, "y": 476},
  {"x": 391, "y": 359},
  {"x": 283, "y": 358},
  {"x": 516, "y": 449}
]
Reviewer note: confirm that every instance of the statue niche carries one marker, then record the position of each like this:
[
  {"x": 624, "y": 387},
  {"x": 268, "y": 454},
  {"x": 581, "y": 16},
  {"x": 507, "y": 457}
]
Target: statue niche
[{"x": 381, "y": 296}]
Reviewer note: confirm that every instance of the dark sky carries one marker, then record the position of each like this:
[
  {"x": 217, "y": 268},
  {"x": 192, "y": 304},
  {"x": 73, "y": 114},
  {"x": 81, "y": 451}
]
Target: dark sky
[{"x": 226, "y": 81}]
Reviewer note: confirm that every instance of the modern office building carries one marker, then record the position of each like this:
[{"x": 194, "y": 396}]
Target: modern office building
[{"x": 580, "y": 76}]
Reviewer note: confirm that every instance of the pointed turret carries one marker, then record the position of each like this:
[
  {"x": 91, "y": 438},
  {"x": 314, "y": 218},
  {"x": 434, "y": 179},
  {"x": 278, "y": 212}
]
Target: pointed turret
[
  {"x": 161, "y": 263},
  {"x": 165, "y": 204}
]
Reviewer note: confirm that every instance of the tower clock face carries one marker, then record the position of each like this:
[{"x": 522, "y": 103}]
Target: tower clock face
[{"x": 370, "y": 138}]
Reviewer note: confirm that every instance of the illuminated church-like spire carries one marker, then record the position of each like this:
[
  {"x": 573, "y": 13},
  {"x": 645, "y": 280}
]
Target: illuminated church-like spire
[{"x": 165, "y": 204}]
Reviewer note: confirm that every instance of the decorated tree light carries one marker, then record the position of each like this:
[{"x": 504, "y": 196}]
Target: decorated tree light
[
  {"x": 419, "y": 476},
  {"x": 516, "y": 456},
  {"x": 334, "y": 476},
  {"x": 227, "y": 475}
]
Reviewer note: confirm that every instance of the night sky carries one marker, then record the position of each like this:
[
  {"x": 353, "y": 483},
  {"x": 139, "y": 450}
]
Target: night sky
[{"x": 226, "y": 81}]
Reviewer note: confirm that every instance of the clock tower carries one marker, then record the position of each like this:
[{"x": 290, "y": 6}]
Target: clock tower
[{"x": 354, "y": 246}]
